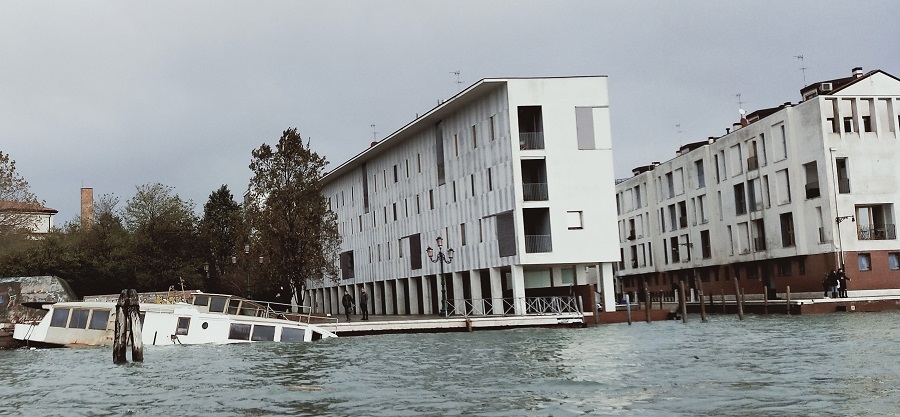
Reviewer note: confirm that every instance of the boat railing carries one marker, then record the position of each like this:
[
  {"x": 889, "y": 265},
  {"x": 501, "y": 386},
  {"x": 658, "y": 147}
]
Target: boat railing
[{"x": 270, "y": 309}]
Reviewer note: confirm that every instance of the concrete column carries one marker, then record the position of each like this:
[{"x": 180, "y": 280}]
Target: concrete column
[
  {"x": 414, "y": 307},
  {"x": 377, "y": 297},
  {"x": 427, "y": 285},
  {"x": 390, "y": 301},
  {"x": 496, "y": 292},
  {"x": 401, "y": 296},
  {"x": 518, "y": 289},
  {"x": 477, "y": 299},
  {"x": 556, "y": 276},
  {"x": 458, "y": 298},
  {"x": 607, "y": 285},
  {"x": 581, "y": 275}
]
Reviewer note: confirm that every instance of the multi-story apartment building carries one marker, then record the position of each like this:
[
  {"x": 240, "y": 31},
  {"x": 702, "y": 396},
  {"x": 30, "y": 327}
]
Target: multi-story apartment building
[
  {"x": 515, "y": 175},
  {"x": 785, "y": 196}
]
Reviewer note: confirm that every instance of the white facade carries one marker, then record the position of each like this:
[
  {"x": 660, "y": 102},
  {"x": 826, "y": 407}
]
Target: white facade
[
  {"x": 515, "y": 175},
  {"x": 799, "y": 190}
]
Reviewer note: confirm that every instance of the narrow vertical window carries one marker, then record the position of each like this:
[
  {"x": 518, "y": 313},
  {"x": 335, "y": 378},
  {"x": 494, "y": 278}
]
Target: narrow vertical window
[
  {"x": 431, "y": 199},
  {"x": 480, "y": 230},
  {"x": 472, "y": 180},
  {"x": 490, "y": 181},
  {"x": 418, "y": 206},
  {"x": 419, "y": 163},
  {"x": 462, "y": 234},
  {"x": 492, "y": 129},
  {"x": 474, "y": 137},
  {"x": 454, "y": 191},
  {"x": 395, "y": 173},
  {"x": 456, "y": 145}
]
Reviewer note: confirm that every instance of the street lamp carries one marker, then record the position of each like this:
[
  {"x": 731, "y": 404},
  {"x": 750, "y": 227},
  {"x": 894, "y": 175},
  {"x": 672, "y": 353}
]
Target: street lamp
[
  {"x": 441, "y": 259},
  {"x": 247, "y": 254}
]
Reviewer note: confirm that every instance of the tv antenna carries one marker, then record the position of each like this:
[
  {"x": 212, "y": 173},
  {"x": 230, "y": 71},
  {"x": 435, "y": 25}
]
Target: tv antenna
[
  {"x": 458, "y": 82},
  {"x": 740, "y": 105},
  {"x": 374, "y": 133},
  {"x": 802, "y": 68}
]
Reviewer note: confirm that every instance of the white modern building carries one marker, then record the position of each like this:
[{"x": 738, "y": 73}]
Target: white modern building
[
  {"x": 32, "y": 217},
  {"x": 785, "y": 196},
  {"x": 515, "y": 175}
]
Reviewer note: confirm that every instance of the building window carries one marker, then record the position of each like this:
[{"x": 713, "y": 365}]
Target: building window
[
  {"x": 843, "y": 177},
  {"x": 394, "y": 205},
  {"x": 431, "y": 199},
  {"x": 848, "y": 124},
  {"x": 740, "y": 199},
  {"x": 490, "y": 181},
  {"x": 784, "y": 268},
  {"x": 418, "y": 206},
  {"x": 894, "y": 260},
  {"x": 480, "y": 230},
  {"x": 454, "y": 191},
  {"x": 395, "y": 173},
  {"x": 456, "y": 145},
  {"x": 474, "y": 136},
  {"x": 492, "y": 128},
  {"x": 575, "y": 220},
  {"x": 865, "y": 261},
  {"x": 472, "y": 180},
  {"x": 462, "y": 234}
]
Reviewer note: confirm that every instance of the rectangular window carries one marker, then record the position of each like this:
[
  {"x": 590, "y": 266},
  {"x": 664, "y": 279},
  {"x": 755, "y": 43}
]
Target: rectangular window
[
  {"x": 400, "y": 248},
  {"x": 79, "y": 318},
  {"x": 894, "y": 260},
  {"x": 740, "y": 199},
  {"x": 492, "y": 128},
  {"x": 701, "y": 176},
  {"x": 99, "y": 318},
  {"x": 454, "y": 191},
  {"x": 292, "y": 335},
  {"x": 395, "y": 173},
  {"x": 431, "y": 199},
  {"x": 395, "y": 211},
  {"x": 843, "y": 176},
  {"x": 184, "y": 324},
  {"x": 480, "y": 230},
  {"x": 575, "y": 220},
  {"x": 474, "y": 136},
  {"x": 456, "y": 145},
  {"x": 472, "y": 180},
  {"x": 263, "y": 333},
  {"x": 239, "y": 331},
  {"x": 419, "y": 163},
  {"x": 865, "y": 261},
  {"x": 848, "y": 124},
  {"x": 439, "y": 152},
  {"x": 490, "y": 180},
  {"x": 407, "y": 174},
  {"x": 462, "y": 234},
  {"x": 418, "y": 205}
]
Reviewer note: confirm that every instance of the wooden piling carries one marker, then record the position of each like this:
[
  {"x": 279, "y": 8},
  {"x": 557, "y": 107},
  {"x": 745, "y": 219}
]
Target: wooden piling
[
  {"x": 661, "y": 294},
  {"x": 648, "y": 304},
  {"x": 702, "y": 301},
  {"x": 682, "y": 301},
  {"x": 765, "y": 299},
  {"x": 723, "y": 300},
  {"x": 737, "y": 299},
  {"x": 120, "y": 339},
  {"x": 628, "y": 307},
  {"x": 134, "y": 327},
  {"x": 469, "y": 324},
  {"x": 787, "y": 302}
]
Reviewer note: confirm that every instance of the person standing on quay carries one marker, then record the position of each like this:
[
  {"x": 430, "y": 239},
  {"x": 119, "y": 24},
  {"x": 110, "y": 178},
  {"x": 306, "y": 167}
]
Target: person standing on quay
[
  {"x": 842, "y": 282},
  {"x": 347, "y": 301},
  {"x": 364, "y": 302}
]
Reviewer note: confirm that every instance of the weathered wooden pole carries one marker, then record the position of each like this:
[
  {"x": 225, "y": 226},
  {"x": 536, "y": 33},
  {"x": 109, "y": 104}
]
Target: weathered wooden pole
[
  {"x": 120, "y": 338},
  {"x": 723, "y": 299},
  {"x": 661, "y": 296},
  {"x": 134, "y": 327},
  {"x": 765, "y": 299},
  {"x": 682, "y": 301},
  {"x": 648, "y": 304},
  {"x": 787, "y": 302},
  {"x": 702, "y": 301},
  {"x": 737, "y": 299},
  {"x": 628, "y": 307}
]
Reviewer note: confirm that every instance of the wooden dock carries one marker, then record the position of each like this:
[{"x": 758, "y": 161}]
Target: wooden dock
[{"x": 387, "y": 324}]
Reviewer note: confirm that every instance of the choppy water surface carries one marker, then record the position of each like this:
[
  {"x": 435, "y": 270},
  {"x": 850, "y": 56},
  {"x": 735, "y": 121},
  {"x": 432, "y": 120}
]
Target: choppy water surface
[{"x": 841, "y": 364}]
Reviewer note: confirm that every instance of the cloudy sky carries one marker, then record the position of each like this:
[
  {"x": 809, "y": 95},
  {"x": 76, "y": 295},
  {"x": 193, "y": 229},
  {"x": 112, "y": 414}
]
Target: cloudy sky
[{"x": 113, "y": 95}]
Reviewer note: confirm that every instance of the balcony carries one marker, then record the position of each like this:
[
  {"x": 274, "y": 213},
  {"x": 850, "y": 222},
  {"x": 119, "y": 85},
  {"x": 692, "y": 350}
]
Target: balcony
[
  {"x": 535, "y": 191},
  {"x": 812, "y": 190},
  {"x": 877, "y": 232},
  {"x": 752, "y": 163},
  {"x": 531, "y": 140},
  {"x": 538, "y": 244}
]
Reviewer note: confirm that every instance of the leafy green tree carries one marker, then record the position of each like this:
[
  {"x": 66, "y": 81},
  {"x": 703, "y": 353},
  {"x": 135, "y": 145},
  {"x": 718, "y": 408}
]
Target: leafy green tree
[
  {"x": 164, "y": 239},
  {"x": 220, "y": 230},
  {"x": 15, "y": 194},
  {"x": 291, "y": 223}
]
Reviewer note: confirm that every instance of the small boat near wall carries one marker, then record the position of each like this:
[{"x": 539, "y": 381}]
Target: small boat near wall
[{"x": 203, "y": 318}]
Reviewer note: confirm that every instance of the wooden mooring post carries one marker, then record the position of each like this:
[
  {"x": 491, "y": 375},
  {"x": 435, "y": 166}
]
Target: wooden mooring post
[
  {"x": 682, "y": 302},
  {"x": 787, "y": 302},
  {"x": 128, "y": 328},
  {"x": 765, "y": 299},
  {"x": 702, "y": 301},
  {"x": 738, "y": 300},
  {"x": 647, "y": 304}
]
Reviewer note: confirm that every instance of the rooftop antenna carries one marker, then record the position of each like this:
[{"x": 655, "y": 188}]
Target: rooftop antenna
[
  {"x": 458, "y": 82},
  {"x": 802, "y": 68},
  {"x": 678, "y": 129},
  {"x": 374, "y": 139},
  {"x": 740, "y": 105}
]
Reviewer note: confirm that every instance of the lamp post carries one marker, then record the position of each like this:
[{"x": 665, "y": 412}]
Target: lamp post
[
  {"x": 441, "y": 259},
  {"x": 247, "y": 254}
]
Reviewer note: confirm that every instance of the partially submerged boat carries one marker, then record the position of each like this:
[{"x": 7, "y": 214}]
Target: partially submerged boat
[{"x": 205, "y": 318}]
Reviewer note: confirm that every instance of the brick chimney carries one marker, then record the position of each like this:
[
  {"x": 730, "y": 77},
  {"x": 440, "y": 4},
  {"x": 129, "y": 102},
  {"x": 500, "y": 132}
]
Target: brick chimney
[{"x": 87, "y": 207}]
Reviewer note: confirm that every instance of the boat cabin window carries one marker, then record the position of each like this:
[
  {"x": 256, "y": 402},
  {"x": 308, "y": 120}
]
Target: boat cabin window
[
  {"x": 233, "y": 306},
  {"x": 183, "y": 324},
  {"x": 263, "y": 333},
  {"x": 217, "y": 304},
  {"x": 79, "y": 318},
  {"x": 292, "y": 335},
  {"x": 201, "y": 300},
  {"x": 239, "y": 332},
  {"x": 60, "y": 317},
  {"x": 99, "y": 318}
]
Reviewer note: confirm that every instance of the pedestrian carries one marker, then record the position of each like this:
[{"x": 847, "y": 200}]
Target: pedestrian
[
  {"x": 347, "y": 301},
  {"x": 825, "y": 285},
  {"x": 842, "y": 282},
  {"x": 833, "y": 283},
  {"x": 364, "y": 302}
]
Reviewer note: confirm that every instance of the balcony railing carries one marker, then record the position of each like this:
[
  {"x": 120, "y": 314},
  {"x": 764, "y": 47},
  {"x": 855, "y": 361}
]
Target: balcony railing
[
  {"x": 877, "y": 232},
  {"x": 812, "y": 190},
  {"x": 531, "y": 140},
  {"x": 538, "y": 244},
  {"x": 535, "y": 191}
]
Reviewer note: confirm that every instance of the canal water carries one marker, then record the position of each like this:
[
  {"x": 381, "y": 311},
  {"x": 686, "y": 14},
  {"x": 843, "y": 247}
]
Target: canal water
[{"x": 839, "y": 364}]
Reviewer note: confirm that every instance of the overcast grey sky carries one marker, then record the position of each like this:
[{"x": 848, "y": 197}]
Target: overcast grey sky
[{"x": 112, "y": 95}]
